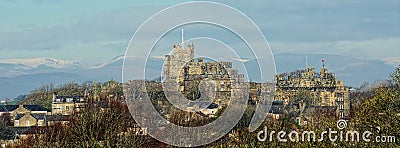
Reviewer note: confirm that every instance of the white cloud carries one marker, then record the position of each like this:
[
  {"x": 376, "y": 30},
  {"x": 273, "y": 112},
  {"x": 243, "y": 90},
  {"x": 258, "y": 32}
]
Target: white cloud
[
  {"x": 378, "y": 49},
  {"x": 395, "y": 61},
  {"x": 334, "y": 27}
]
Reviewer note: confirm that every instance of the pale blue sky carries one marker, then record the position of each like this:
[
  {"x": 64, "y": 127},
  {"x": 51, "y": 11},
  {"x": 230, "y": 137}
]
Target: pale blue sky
[
  {"x": 29, "y": 14},
  {"x": 97, "y": 31}
]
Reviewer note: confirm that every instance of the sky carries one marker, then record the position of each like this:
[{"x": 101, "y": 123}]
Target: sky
[{"x": 97, "y": 31}]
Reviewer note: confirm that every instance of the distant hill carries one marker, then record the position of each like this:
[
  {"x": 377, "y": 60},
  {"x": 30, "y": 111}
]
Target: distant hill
[
  {"x": 23, "y": 84},
  {"x": 19, "y": 77}
]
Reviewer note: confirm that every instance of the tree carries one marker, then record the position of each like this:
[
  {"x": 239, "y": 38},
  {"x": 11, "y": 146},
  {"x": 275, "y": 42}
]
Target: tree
[
  {"x": 380, "y": 112},
  {"x": 98, "y": 125},
  {"x": 396, "y": 77},
  {"x": 5, "y": 132}
]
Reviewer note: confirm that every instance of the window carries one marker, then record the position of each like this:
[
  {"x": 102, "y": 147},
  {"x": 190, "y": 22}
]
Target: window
[
  {"x": 16, "y": 123},
  {"x": 27, "y": 123},
  {"x": 67, "y": 108}
]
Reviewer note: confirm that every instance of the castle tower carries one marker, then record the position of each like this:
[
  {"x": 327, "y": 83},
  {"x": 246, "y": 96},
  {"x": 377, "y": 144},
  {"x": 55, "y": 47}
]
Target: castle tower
[{"x": 173, "y": 63}]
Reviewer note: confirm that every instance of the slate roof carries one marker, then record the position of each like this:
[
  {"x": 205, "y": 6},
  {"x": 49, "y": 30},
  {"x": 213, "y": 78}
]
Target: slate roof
[
  {"x": 203, "y": 104},
  {"x": 277, "y": 107},
  {"x": 19, "y": 116},
  {"x": 277, "y": 102},
  {"x": 65, "y": 98},
  {"x": 36, "y": 108},
  {"x": 8, "y": 108},
  {"x": 36, "y": 116},
  {"x": 39, "y": 116}
]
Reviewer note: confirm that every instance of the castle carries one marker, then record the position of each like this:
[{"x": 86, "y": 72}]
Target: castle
[
  {"x": 182, "y": 66},
  {"x": 323, "y": 88},
  {"x": 306, "y": 88}
]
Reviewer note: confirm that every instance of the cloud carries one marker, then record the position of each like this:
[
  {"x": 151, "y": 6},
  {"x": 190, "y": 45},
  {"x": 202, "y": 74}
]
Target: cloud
[
  {"x": 104, "y": 35},
  {"x": 317, "y": 21},
  {"x": 395, "y": 61},
  {"x": 353, "y": 28},
  {"x": 366, "y": 49},
  {"x": 104, "y": 27}
]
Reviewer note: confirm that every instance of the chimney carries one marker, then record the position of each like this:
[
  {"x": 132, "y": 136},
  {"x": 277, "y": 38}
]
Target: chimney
[{"x": 54, "y": 96}]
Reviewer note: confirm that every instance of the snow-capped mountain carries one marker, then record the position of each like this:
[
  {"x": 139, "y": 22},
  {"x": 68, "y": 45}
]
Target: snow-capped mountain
[
  {"x": 20, "y": 76},
  {"x": 36, "y": 62},
  {"x": 17, "y": 67}
]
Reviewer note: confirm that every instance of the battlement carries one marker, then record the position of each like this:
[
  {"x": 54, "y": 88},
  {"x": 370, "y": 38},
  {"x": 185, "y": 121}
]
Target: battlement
[
  {"x": 323, "y": 87},
  {"x": 182, "y": 66}
]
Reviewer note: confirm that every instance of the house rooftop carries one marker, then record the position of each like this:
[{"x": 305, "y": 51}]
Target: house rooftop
[
  {"x": 19, "y": 116},
  {"x": 39, "y": 116},
  {"x": 35, "y": 108},
  {"x": 10, "y": 108},
  {"x": 203, "y": 104},
  {"x": 277, "y": 107},
  {"x": 71, "y": 99},
  {"x": 36, "y": 116}
]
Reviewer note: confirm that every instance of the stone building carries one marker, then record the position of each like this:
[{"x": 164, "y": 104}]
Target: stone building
[
  {"x": 187, "y": 71},
  {"x": 173, "y": 63},
  {"x": 323, "y": 88},
  {"x": 25, "y": 115},
  {"x": 67, "y": 105},
  {"x": 28, "y": 120},
  {"x": 184, "y": 74}
]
